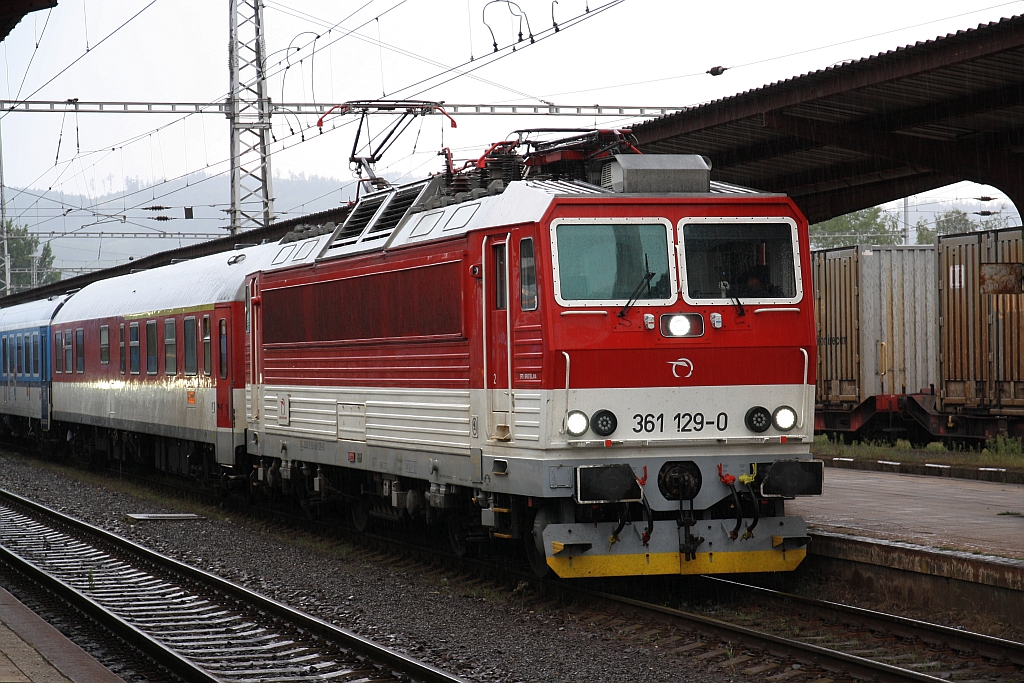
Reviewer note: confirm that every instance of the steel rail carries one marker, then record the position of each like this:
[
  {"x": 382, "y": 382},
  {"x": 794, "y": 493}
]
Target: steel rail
[
  {"x": 824, "y": 657},
  {"x": 987, "y": 645},
  {"x": 154, "y": 649},
  {"x": 397, "y": 661},
  {"x": 804, "y": 652}
]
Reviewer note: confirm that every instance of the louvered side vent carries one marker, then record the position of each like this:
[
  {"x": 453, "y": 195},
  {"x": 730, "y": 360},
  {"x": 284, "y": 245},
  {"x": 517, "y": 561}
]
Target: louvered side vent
[
  {"x": 361, "y": 216},
  {"x": 606, "y": 176},
  {"x": 393, "y": 213}
]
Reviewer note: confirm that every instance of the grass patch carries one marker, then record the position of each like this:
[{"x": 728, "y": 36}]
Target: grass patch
[
  {"x": 1002, "y": 451},
  {"x": 1009, "y": 513}
]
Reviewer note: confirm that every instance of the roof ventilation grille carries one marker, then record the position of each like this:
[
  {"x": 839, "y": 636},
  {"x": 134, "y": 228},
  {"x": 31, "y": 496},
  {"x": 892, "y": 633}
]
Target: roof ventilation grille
[
  {"x": 360, "y": 217},
  {"x": 393, "y": 213}
]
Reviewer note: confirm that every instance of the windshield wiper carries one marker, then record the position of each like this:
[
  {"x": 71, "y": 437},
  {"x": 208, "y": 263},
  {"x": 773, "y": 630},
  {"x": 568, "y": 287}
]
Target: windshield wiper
[{"x": 648, "y": 276}]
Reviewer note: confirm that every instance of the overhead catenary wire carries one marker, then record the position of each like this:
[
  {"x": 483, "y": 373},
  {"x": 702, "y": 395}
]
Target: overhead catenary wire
[{"x": 80, "y": 57}]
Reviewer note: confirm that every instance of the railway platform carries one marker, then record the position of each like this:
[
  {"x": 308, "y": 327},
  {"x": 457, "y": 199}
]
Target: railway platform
[
  {"x": 33, "y": 651},
  {"x": 956, "y": 542}
]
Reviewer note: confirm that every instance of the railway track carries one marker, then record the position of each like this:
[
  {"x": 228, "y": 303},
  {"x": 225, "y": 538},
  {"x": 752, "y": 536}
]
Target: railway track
[
  {"x": 801, "y": 639},
  {"x": 199, "y": 626},
  {"x": 752, "y": 631}
]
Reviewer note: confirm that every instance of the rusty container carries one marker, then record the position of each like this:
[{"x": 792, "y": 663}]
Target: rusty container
[
  {"x": 981, "y": 326},
  {"x": 877, "y": 322}
]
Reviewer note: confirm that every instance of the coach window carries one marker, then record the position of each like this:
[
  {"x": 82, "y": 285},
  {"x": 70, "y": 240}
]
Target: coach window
[
  {"x": 5, "y": 364},
  {"x": 170, "y": 347},
  {"x": 28, "y": 355},
  {"x": 69, "y": 357},
  {"x": 151, "y": 361},
  {"x": 58, "y": 353},
  {"x": 207, "y": 355},
  {"x": 223, "y": 360},
  {"x": 189, "y": 335},
  {"x": 21, "y": 355},
  {"x": 79, "y": 350},
  {"x": 120, "y": 347},
  {"x": 35, "y": 354},
  {"x": 527, "y": 276},
  {"x": 133, "y": 345},
  {"x": 104, "y": 344}
]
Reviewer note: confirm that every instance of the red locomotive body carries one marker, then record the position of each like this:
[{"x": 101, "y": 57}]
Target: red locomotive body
[{"x": 620, "y": 375}]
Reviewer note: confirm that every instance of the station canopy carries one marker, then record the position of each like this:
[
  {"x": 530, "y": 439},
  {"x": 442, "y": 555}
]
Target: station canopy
[
  {"x": 12, "y": 11},
  {"x": 871, "y": 130}
]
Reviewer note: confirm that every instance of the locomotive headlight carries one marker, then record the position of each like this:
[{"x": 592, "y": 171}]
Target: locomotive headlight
[
  {"x": 577, "y": 423},
  {"x": 682, "y": 325},
  {"x": 784, "y": 418}
]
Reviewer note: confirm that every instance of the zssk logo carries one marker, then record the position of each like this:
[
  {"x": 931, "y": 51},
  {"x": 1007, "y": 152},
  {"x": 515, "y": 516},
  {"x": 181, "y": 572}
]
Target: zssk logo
[{"x": 683, "y": 365}]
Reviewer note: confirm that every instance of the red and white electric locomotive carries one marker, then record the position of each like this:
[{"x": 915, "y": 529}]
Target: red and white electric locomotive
[{"x": 601, "y": 354}]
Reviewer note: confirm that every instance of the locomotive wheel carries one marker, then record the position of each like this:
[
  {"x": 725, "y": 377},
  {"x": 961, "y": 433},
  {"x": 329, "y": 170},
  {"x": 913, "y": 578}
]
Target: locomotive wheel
[
  {"x": 458, "y": 536},
  {"x": 360, "y": 515},
  {"x": 533, "y": 543}
]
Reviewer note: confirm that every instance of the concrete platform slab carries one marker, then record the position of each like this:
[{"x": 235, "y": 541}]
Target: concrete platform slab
[
  {"x": 935, "y": 512},
  {"x": 32, "y": 651}
]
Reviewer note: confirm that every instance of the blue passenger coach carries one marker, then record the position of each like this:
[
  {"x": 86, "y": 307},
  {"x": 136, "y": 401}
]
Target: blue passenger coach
[{"x": 25, "y": 368}]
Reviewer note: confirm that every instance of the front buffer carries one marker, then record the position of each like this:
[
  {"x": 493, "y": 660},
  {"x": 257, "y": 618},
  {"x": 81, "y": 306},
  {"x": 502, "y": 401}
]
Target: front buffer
[{"x": 713, "y": 541}]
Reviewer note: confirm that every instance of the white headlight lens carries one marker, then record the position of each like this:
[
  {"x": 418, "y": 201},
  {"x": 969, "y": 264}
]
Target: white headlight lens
[
  {"x": 682, "y": 325},
  {"x": 679, "y": 326},
  {"x": 784, "y": 418},
  {"x": 577, "y": 423}
]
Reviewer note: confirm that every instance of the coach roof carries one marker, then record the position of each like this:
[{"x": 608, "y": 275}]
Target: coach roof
[
  {"x": 31, "y": 314},
  {"x": 213, "y": 279}
]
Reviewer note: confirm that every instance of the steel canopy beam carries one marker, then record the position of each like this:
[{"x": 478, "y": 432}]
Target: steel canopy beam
[{"x": 964, "y": 160}]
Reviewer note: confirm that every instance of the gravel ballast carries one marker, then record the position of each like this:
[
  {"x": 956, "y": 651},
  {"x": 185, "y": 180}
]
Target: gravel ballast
[{"x": 487, "y": 635}]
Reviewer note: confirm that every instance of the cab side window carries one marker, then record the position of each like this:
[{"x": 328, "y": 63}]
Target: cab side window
[{"x": 527, "y": 276}]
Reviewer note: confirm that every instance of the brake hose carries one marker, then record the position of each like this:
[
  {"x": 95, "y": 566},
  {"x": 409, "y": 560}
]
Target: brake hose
[
  {"x": 614, "y": 538},
  {"x": 730, "y": 481},
  {"x": 748, "y": 481}
]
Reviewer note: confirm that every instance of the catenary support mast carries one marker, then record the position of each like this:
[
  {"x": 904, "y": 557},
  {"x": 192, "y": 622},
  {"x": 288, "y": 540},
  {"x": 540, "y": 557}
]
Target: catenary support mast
[{"x": 252, "y": 199}]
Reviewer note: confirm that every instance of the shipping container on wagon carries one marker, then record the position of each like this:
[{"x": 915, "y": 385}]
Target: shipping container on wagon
[
  {"x": 981, "y": 325},
  {"x": 877, "y": 331}
]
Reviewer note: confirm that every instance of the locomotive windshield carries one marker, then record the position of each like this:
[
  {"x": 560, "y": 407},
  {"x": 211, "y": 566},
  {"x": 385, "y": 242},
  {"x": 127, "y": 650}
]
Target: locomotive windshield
[
  {"x": 613, "y": 262},
  {"x": 739, "y": 261}
]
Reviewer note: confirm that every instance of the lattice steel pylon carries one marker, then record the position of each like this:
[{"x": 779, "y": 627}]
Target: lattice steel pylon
[{"x": 252, "y": 199}]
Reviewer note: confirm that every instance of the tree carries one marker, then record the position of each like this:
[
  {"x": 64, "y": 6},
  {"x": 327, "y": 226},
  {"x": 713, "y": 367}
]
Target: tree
[
  {"x": 870, "y": 226},
  {"x": 24, "y": 248},
  {"x": 946, "y": 223}
]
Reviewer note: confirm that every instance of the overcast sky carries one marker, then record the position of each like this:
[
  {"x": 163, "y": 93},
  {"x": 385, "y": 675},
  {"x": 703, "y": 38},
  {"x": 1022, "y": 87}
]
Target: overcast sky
[{"x": 638, "y": 52}]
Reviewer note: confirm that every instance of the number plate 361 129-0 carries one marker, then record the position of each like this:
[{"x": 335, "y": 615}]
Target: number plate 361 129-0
[{"x": 650, "y": 423}]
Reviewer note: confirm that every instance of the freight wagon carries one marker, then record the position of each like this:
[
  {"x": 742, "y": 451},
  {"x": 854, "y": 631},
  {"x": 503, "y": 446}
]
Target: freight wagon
[{"x": 921, "y": 342}]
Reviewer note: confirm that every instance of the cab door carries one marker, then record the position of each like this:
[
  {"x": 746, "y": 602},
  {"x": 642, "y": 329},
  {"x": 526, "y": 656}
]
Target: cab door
[{"x": 497, "y": 323}]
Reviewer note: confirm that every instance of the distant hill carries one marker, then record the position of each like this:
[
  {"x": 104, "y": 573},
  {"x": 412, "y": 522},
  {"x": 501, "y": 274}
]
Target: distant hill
[{"x": 46, "y": 211}]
